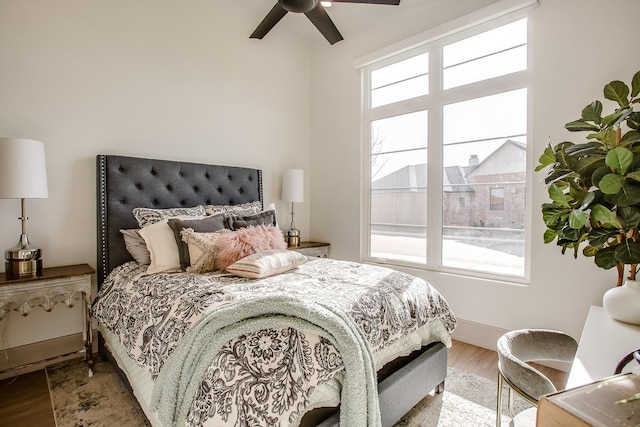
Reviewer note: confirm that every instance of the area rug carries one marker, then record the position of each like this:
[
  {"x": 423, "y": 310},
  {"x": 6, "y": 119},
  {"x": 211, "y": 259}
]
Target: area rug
[{"x": 103, "y": 400}]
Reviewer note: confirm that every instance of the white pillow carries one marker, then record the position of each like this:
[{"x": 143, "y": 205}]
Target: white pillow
[
  {"x": 162, "y": 246},
  {"x": 267, "y": 263}
]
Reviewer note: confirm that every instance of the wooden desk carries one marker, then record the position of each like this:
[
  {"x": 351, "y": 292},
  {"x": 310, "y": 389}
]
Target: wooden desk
[{"x": 603, "y": 343}]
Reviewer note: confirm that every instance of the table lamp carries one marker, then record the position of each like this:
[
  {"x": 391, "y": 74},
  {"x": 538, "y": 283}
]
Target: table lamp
[
  {"x": 293, "y": 191},
  {"x": 23, "y": 175}
]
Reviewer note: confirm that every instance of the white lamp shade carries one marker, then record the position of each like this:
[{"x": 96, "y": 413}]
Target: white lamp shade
[
  {"x": 293, "y": 185},
  {"x": 23, "y": 172}
]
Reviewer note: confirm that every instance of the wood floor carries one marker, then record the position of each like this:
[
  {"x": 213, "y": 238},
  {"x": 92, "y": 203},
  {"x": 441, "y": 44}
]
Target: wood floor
[{"x": 25, "y": 401}]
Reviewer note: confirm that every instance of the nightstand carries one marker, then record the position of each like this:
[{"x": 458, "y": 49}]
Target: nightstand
[
  {"x": 65, "y": 284},
  {"x": 314, "y": 249}
]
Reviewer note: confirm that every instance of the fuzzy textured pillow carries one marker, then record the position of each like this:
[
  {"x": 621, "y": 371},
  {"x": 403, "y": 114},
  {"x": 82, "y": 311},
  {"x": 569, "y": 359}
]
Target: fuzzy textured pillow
[
  {"x": 246, "y": 241},
  {"x": 267, "y": 263}
]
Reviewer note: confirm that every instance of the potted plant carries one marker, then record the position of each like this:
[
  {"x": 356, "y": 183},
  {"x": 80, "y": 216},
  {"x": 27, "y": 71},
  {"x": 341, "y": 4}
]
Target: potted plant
[{"x": 594, "y": 184}]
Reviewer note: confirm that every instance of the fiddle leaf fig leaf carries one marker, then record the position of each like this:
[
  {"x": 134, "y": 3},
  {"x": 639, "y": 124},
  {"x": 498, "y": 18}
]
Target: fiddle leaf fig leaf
[
  {"x": 589, "y": 251},
  {"x": 604, "y": 216},
  {"x": 619, "y": 159},
  {"x": 633, "y": 121},
  {"x": 628, "y": 252},
  {"x": 607, "y": 136},
  {"x": 635, "y": 85},
  {"x": 618, "y": 117},
  {"x": 598, "y": 174},
  {"x": 628, "y": 196},
  {"x": 630, "y": 137},
  {"x": 635, "y": 175},
  {"x": 606, "y": 258},
  {"x": 547, "y": 158},
  {"x": 617, "y": 91},
  {"x": 629, "y": 216},
  {"x": 598, "y": 237},
  {"x": 587, "y": 199},
  {"x": 611, "y": 183},
  {"x": 552, "y": 214},
  {"x": 558, "y": 196},
  {"x": 550, "y": 235},
  {"x": 593, "y": 112},
  {"x": 577, "y": 219},
  {"x": 580, "y": 125}
]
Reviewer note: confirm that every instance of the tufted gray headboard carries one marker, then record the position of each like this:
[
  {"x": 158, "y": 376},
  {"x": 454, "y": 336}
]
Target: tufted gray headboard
[{"x": 124, "y": 183}]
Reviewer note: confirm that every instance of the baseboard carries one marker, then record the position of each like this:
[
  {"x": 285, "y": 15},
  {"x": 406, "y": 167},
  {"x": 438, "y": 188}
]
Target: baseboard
[
  {"x": 36, "y": 356},
  {"x": 486, "y": 336},
  {"x": 478, "y": 334}
]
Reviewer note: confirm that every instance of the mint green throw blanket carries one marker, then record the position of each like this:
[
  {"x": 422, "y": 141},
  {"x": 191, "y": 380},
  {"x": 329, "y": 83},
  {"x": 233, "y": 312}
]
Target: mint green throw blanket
[{"x": 178, "y": 382}]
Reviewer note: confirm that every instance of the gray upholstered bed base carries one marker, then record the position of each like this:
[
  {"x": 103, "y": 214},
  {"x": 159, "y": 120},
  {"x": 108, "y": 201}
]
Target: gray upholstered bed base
[
  {"x": 408, "y": 385},
  {"x": 124, "y": 183}
]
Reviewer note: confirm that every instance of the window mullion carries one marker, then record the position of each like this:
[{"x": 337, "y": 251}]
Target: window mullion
[{"x": 434, "y": 169}]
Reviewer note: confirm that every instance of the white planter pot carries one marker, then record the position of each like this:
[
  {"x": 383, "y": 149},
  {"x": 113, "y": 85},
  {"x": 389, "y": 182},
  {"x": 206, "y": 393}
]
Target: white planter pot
[{"x": 623, "y": 302}]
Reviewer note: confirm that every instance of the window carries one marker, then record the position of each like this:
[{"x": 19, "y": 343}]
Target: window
[
  {"x": 496, "y": 199},
  {"x": 446, "y": 153}
]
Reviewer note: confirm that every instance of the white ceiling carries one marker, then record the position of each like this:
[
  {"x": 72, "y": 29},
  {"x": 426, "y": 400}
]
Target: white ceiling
[{"x": 348, "y": 17}]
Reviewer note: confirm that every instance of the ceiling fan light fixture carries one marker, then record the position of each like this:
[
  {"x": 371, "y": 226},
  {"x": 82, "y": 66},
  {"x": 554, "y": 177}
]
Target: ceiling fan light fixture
[
  {"x": 326, "y": 3},
  {"x": 298, "y": 6}
]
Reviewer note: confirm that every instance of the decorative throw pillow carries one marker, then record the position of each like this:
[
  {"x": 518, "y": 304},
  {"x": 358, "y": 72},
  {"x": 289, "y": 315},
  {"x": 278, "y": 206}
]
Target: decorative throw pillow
[
  {"x": 267, "y": 263},
  {"x": 250, "y": 208},
  {"x": 236, "y": 222},
  {"x": 148, "y": 216},
  {"x": 162, "y": 247},
  {"x": 207, "y": 224},
  {"x": 202, "y": 249},
  {"x": 246, "y": 241},
  {"x": 136, "y": 246}
]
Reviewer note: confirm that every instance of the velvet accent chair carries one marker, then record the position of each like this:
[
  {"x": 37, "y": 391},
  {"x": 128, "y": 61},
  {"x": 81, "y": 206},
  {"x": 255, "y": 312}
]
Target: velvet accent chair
[{"x": 515, "y": 349}]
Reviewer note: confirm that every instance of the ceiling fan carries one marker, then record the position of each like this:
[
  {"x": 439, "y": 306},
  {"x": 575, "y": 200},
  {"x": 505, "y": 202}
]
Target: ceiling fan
[{"x": 314, "y": 11}]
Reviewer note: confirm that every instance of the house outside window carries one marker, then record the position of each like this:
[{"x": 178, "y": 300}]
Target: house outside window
[{"x": 446, "y": 153}]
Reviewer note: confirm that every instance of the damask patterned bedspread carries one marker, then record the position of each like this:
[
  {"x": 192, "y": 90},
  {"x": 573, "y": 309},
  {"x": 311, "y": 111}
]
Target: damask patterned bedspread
[{"x": 264, "y": 376}]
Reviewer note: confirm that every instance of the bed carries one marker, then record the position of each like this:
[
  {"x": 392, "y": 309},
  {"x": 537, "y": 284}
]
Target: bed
[{"x": 316, "y": 342}]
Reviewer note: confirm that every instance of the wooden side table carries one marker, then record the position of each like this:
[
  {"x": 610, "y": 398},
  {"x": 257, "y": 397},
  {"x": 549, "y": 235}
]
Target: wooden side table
[
  {"x": 65, "y": 284},
  {"x": 314, "y": 249}
]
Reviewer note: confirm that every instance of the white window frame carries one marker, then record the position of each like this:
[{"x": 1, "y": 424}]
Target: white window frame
[{"x": 496, "y": 15}]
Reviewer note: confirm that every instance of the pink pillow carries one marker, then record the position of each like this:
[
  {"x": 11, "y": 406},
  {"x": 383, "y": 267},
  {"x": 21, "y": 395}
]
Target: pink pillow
[{"x": 246, "y": 241}]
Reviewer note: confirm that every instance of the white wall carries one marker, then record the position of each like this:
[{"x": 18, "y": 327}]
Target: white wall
[
  {"x": 148, "y": 78},
  {"x": 578, "y": 46}
]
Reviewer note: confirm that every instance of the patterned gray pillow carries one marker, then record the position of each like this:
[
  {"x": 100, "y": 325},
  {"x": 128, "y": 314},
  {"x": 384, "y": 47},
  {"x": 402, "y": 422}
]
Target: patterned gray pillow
[
  {"x": 148, "y": 216},
  {"x": 250, "y": 208},
  {"x": 236, "y": 222}
]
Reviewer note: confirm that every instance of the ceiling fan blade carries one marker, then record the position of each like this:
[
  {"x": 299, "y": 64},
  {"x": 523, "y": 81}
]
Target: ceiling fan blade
[
  {"x": 269, "y": 21},
  {"x": 389, "y": 2},
  {"x": 319, "y": 17}
]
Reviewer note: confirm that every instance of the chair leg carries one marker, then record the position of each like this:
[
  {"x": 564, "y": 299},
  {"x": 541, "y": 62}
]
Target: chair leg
[
  {"x": 510, "y": 402},
  {"x": 499, "y": 402}
]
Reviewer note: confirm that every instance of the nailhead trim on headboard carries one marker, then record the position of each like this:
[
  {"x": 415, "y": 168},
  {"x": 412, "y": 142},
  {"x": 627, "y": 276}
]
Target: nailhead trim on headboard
[{"x": 124, "y": 183}]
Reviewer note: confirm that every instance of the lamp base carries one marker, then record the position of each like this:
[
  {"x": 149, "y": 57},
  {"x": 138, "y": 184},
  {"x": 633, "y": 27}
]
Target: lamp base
[
  {"x": 292, "y": 237},
  {"x": 23, "y": 260},
  {"x": 18, "y": 269}
]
